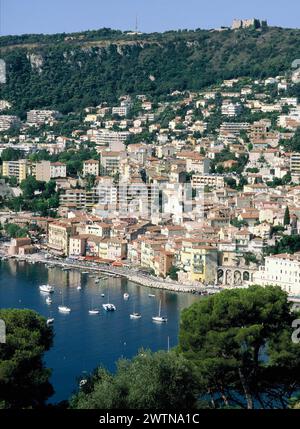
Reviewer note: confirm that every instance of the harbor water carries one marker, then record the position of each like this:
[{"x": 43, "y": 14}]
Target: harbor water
[{"x": 83, "y": 341}]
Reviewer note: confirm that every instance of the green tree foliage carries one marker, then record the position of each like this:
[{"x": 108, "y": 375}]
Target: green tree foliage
[
  {"x": 76, "y": 73},
  {"x": 10, "y": 154},
  {"x": 173, "y": 273},
  {"x": 287, "y": 244},
  {"x": 39, "y": 197},
  {"x": 15, "y": 231},
  {"x": 24, "y": 380},
  {"x": 293, "y": 145},
  {"x": 240, "y": 341},
  {"x": 149, "y": 381},
  {"x": 287, "y": 217}
]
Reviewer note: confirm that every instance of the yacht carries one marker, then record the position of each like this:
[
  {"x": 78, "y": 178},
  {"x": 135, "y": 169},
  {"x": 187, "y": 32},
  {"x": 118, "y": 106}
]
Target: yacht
[
  {"x": 46, "y": 288},
  {"x": 126, "y": 296},
  {"x": 159, "y": 318},
  {"x": 64, "y": 309},
  {"x": 109, "y": 307},
  {"x": 93, "y": 310},
  {"x": 82, "y": 382},
  {"x": 135, "y": 316},
  {"x": 48, "y": 300}
]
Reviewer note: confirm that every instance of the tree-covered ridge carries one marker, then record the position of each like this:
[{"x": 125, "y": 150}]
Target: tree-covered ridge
[{"x": 73, "y": 72}]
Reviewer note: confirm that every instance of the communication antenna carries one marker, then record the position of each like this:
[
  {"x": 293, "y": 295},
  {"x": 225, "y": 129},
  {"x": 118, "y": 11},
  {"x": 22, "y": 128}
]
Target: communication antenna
[{"x": 136, "y": 23}]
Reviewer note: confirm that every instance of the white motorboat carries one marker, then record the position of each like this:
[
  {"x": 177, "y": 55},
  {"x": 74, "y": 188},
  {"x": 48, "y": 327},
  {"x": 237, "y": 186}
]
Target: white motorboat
[
  {"x": 159, "y": 318},
  {"x": 50, "y": 321},
  {"x": 48, "y": 300},
  {"x": 135, "y": 316},
  {"x": 126, "y": 296},
  {"x": 82, "y": 382},
  {"x": 46, "y": 288},
  {"x": 103, "y": 295},
  {"x": 151, "y": 295},
  {"x": 109, "y": 307},
  {"x": 79, "y": 287},
  {"x": 94, "y": 312},
  {"x": 64, "y": 309}
]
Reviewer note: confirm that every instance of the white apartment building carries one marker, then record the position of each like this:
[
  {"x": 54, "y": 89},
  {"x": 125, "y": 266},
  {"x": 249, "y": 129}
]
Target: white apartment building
[
  {"x": 110, "y": 162},
  {"x": 120, "y": 110},
  {"x": 37, "y": 117},
  {"x": 105, "y": 137},
  {"x": 231, "y": 109},
  {"x": 91, "y": 167},
  {"x": 233, "y": 128},
  {"x": 9, "y": 121},
  {"x": 295, "y": 166},
  {"x": 280, "y": 270},
  {"x": 46, "y": 170},
  {"x": 211, "y": 180}
]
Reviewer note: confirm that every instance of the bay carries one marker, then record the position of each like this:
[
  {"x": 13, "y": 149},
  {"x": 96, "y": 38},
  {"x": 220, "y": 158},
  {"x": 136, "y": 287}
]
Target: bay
[{"x": 83, "y": 341}]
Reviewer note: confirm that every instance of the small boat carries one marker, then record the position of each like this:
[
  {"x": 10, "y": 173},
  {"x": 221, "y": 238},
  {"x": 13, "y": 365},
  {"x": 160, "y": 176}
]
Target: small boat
[
  {"x": 64, "y": 309},
  {"x": 151, "y": 295},
  {"x": 159, "y": 318},
  {"x": 103, "y": 295},
  {"x": 46, "y": 288},
  {"x": 82, "y": 382},
  {"x": 48, "y": 300},
  {"x": 135, "y": 316},
  {"x": 50, "y": 321},
  {"x": 94, "y": 312},
  {"x": 126, "y": 296},
  {"x": 109, "y": 307},
  {"x": 79, "y": 287},
  {"x": 85, "y": 272}
]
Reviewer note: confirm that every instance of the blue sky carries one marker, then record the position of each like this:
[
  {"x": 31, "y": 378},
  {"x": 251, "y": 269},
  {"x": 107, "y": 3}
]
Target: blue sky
[{"x": 52, "y": 16}]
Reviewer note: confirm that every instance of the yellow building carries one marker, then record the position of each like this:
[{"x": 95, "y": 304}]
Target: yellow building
[
  {"x": 58, "y": 237},
  {"x": 16, "y": 169},
  {"x": 198, "y": 261}
]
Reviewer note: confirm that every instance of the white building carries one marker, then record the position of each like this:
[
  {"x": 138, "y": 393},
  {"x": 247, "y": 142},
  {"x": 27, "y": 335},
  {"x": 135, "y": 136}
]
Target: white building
[
  {"x": 46, "y": 170},
  {"x": 231, "y": 109},
  {"x": 91, "y": 167},
  {"x": 280, "y": 270},
  {"x": 9, "y": 121},
  {"x": 38, "y": 117}
]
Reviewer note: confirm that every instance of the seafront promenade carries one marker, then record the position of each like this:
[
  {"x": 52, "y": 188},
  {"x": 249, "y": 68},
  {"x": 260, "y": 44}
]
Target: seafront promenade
[{"x": 132, "y": 274}]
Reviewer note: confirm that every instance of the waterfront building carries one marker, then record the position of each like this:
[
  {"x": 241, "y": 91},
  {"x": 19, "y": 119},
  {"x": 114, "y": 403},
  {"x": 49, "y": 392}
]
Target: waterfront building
[{"x": 280, "y": 270}]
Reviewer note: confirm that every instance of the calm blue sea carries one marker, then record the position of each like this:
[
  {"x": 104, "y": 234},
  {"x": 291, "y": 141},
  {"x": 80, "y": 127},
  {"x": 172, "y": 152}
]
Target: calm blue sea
[{"x": 82, "y": 342}]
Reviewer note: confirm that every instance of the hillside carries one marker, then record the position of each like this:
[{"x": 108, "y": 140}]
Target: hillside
[{"x": 68, "y": 72}]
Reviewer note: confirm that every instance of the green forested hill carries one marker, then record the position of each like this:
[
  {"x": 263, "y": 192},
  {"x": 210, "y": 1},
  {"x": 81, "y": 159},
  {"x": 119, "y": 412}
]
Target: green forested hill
[{"x": 68, "y": 72}]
